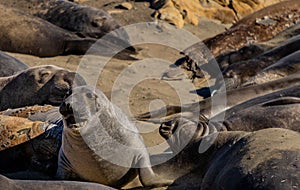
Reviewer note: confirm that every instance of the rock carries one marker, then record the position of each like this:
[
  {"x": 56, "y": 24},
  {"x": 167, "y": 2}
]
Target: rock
[{"x": 126, "y": 5}]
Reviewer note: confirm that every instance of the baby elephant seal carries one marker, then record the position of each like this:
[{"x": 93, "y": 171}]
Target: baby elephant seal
[{"x": 100, "y": 144}]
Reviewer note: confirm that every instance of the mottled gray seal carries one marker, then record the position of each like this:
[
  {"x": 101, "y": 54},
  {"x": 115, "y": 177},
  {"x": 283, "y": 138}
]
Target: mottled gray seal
[
  {"x": 278, "y": 17},
  {"x": 9, "y": 184},
  {"x": 112, "y": 152},
  {"x": 37, "y": 85},
  {"x": 264, "y": 159},
  {"x": 10, "y": 65},
  {"x": 23, "y": 33},
  {"x": 234, "y": 97}
]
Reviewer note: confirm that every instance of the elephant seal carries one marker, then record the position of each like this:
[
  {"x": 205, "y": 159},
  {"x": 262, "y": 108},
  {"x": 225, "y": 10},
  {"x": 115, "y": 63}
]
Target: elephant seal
[
  {"x": 252, "y": 50},
  {"x": 264, "y": 159},
  {"x": 9, "y": 184},
  {"x": 233, "y": 97},
  {"x": 26, "y": 34},
  {"x": 238, "y": 73},
  {"x": 284, "y": 67},
  {"x": 259, "y": 26},
  {"x": 37, "y": 85},
  {"x": 10, "y": 65},
  {"x": 85, "y": 21},
  {"x": 100, "y": 144}
]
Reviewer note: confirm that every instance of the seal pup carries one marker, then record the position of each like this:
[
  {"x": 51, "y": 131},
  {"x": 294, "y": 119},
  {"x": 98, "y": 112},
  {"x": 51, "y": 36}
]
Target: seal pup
[
  {"x": 233, "y": 97},
  {"x": 264, "y": 159},
  {"x": 10, "y": 65},
  {"x": 112, "y": 152},
  {"x": 37, "y": 85},
  {"x": 9, "y": 184}
]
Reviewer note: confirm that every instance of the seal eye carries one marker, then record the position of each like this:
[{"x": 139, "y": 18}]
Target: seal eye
[
  {"x": 89, "y": 95},
  {"x": 43, "y": 76}
]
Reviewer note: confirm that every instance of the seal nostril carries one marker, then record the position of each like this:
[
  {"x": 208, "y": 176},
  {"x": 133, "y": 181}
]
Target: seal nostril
[{"x": 65, "y": 109}]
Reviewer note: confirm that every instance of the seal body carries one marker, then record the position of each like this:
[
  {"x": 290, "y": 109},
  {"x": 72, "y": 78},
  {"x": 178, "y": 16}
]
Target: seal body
[
  {"x": 9, "y": 184},
  {"x": 282, "y": 68},
  {"x": 260, "y": 159},
  {"x": 112, "y": 152},
  {"x": 37, "y": 85},
  {"x": 233, "y": 98},
  {"x": 23, "y": 33},
  {"x": 84, "y": 20},
  {"x": 10, "y": 65},
  {"x": 238, "y": 73}
]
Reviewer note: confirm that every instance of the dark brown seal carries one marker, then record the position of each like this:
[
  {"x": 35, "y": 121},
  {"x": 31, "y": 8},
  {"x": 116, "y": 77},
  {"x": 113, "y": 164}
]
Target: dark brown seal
[
  {"x": 23, "y": 33},
  {"x": 37, "y": 85},
  {"x": 266, "y": 159}
]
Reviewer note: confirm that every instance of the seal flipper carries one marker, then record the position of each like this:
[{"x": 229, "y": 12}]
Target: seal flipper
[{"x": 282, "y": 101}]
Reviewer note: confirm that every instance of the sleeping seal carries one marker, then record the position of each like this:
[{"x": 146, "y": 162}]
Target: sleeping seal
[
  {"x": 23, "y": 33},
  {"x": 238, "y": 73},
  {"x": 264, "y": 159},
  {"x": 234, "y": 97},
  {"x": 37, "y": 85},
  {"x": 282, "y": 68},
  {"x": 259, "y": 26},
  {"x": 100, "y": 144}
]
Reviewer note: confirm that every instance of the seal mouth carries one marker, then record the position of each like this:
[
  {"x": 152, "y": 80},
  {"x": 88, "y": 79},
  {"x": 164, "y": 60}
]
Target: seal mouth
[{"x": 73, "y": 123}]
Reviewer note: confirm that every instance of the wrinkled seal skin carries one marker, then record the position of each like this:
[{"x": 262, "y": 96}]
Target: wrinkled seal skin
[
  {"x": 238, "y": 73},
  {"x": 248, "y": 30},
  {"x": 234, "y": 97},
  {"x": 239, "y": 160},
  {"x": 87, "y": 112},
  {"x": 37, "y": 85},
  {"x": 10, "y": 65},
  {"x": 9, "y": 184},
  {"x": 26, "y": 34}
]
